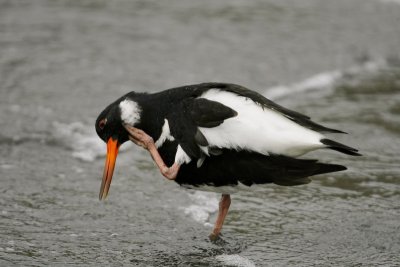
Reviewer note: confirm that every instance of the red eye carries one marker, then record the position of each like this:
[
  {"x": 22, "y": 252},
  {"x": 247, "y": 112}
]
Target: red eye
[{"x": 102, "y": 123}]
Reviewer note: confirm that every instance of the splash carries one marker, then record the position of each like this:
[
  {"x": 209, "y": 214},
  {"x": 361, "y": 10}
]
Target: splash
[
  {"x": 81, "y": 139},
  {"x": 203, "y": 205},
  {"x": 235, "y": 260}
]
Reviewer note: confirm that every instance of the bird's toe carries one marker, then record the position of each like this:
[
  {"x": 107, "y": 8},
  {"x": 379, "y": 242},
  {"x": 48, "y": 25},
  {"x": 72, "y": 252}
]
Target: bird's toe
[{"x": 215, "y": 237}]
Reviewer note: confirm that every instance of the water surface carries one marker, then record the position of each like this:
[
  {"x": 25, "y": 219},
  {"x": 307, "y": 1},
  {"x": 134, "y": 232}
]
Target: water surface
[{"x": 61, "y": 62}]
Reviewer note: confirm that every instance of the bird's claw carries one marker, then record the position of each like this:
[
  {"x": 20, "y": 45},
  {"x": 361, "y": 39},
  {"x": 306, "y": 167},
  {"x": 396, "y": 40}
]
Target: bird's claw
[
  {"x": 139, "y": 137},
  {"x": 215, "y": 237}
]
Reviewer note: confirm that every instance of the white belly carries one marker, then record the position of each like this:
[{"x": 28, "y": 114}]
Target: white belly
[{"x": 257, "y": 129}]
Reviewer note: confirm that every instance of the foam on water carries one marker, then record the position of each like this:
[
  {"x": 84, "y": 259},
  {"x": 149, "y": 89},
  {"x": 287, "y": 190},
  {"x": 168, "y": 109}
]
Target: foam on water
[
  {"x": 324, "y": 81},
  {"x": 203, "y": 205},
  {"x": 81, "y": 139},
  {"x": 234, "y": 260}
]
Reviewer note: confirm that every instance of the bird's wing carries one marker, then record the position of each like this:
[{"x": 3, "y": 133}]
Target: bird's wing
[
  {"x": 264, "y": 102},
  {"x": 256, "y": 128},
  {"x": 218, "y": 116},
  {"x": 192, "y": 113}
]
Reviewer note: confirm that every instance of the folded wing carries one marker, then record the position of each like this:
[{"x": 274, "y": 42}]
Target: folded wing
[{"x": 192, "y": 114}]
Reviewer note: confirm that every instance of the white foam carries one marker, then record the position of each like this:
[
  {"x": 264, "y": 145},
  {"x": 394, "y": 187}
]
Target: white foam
[
  {"x": 204, "y": 204},
  {"x": 81, "y": 139},
  {"x": 323, "y": 81},
  {"x": 320, "y": 81},
  {"x": 235, "y": 260}
]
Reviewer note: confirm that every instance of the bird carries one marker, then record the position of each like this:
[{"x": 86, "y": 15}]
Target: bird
[{"x": 217, "y": 137}]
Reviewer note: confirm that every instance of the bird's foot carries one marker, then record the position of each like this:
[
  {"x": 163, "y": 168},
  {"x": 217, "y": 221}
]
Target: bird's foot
[
  {"x": 139, "y": 137},
  {"x": 215, "y": 238}
]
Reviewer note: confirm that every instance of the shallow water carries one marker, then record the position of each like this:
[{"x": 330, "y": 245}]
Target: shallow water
[{"x": 61, "y": 62}]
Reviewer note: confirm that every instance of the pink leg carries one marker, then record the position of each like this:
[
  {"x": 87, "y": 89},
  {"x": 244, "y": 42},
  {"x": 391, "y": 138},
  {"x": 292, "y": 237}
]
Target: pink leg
[
  {"x": 224, "y": 204},
  {"x": 142, "y": 139}
]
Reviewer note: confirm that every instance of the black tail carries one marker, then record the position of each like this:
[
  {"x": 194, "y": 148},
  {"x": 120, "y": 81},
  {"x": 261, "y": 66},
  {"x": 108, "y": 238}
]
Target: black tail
[
  {"x": 340, "y": 147},
  {"x": 297, "y": 171}
]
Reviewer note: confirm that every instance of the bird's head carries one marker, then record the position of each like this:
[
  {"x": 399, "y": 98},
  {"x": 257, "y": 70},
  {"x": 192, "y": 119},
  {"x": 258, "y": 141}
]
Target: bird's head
[{"x": 110, "y": 128}]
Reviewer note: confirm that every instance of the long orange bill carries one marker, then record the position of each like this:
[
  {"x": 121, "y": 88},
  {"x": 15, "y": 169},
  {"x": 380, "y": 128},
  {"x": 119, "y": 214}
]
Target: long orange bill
[{"x": 112, "y": 152}]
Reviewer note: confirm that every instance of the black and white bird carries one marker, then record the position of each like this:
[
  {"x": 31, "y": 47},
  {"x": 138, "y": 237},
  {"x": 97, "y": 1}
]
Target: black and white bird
[{"x": 217, "y": 136}]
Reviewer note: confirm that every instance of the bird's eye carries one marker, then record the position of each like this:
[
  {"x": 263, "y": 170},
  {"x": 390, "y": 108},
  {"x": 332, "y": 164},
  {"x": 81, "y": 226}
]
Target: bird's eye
[{"x": 102, "y": 123}]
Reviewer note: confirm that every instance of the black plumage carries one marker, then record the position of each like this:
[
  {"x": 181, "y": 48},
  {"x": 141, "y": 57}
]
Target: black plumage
[
  {"x": 186, "y": 111},
  {"x": 213, "y": 135},
  {"x": 233, "y": 167}
]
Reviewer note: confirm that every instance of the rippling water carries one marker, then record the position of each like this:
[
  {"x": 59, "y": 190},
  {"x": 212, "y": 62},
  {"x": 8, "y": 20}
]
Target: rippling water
[{"x": 61, "y": 62}]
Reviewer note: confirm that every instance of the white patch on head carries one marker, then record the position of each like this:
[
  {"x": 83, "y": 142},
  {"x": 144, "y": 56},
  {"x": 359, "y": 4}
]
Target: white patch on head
[
  {"x": 257, "y": 129},
  {"x": 181, "y": 156},
  {"x": 130, "y": 112},
  {"x": 165, "y": 134}
]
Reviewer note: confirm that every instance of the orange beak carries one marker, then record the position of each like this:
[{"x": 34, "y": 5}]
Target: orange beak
[{"x": 112, "y": 152}]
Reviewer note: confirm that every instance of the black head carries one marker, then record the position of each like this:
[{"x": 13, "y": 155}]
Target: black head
[
  {"x": 109, "y": 124},
  {"x": 110, "y": 128}
]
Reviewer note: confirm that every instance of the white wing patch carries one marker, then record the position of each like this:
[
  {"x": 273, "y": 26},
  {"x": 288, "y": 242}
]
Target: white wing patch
[
  {"x": 257, "y": 129},
  {"x": 130, "y": 112},
  {"x": 181, "y": 156},
  {"x": 165, "y": 134}
]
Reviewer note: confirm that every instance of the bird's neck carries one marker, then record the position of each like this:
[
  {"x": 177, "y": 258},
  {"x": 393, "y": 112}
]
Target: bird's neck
[
  {"x": 153, "y": 113},
  {"x": 155, "y": 108}
]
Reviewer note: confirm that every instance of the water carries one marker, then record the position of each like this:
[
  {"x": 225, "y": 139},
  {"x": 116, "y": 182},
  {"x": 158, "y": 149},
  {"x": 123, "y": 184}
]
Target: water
[{"x": 61, "y": 62}]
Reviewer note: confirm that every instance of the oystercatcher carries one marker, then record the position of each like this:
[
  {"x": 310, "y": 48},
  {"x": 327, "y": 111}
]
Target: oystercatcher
[{"x": 216, "y": 136}]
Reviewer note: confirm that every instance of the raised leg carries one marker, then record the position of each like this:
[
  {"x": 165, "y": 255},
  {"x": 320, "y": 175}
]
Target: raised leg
[
  {"x": 142, "y": 139},
  {"x": 224, "y": 204}
]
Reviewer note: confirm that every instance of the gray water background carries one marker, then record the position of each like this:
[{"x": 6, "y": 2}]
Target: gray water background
[{"x": 62, "y": 62}]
